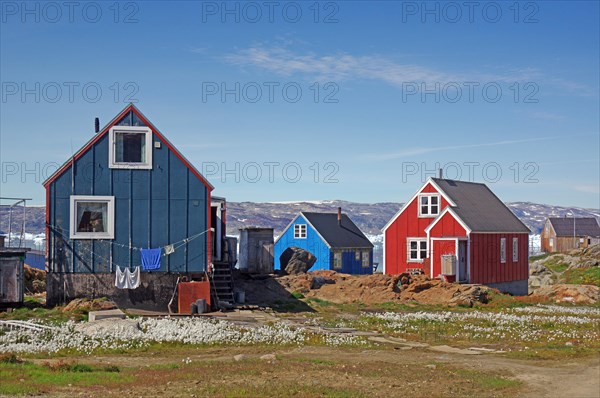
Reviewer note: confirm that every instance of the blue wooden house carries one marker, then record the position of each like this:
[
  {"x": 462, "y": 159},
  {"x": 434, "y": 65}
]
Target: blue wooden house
[
  {"x": 127, "y": 189},
  {"x": 336, "y": 242}
]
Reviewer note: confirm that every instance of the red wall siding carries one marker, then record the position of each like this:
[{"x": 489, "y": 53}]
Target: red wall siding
[
  {"x": 485, "y": 258},
  {"x": 447, "y": 226},
  {"x": 408, "y": 224}
]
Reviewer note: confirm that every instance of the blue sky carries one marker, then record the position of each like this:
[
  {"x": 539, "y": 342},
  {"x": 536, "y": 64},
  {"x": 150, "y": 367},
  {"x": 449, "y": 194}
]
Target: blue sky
[{"x": 361, "y": 98}]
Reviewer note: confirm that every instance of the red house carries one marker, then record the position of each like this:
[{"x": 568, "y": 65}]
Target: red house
[{"x": 461, "y": 231}]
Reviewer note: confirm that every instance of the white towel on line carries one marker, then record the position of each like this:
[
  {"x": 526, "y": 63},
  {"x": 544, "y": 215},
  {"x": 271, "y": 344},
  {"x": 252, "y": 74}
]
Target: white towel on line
[{"x": 127, "y": 279}]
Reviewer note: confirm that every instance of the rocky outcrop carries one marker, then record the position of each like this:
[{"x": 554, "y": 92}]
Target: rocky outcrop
[
  {"x": 296, "y": 260},
  {"x": 575, "y": 294}
]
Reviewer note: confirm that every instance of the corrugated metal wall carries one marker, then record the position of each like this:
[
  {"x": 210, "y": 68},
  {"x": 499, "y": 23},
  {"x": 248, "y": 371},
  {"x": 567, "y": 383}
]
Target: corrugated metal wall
[{"x": 153, "y": 208}]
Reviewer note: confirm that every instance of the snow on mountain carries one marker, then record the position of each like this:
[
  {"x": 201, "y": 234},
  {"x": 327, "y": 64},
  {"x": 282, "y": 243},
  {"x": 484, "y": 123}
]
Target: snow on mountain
[{"x": 370, "y": 217}]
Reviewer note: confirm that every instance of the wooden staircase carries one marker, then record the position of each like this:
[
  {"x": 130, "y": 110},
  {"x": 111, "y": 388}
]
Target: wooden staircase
[{"x": 222, "y": 283}]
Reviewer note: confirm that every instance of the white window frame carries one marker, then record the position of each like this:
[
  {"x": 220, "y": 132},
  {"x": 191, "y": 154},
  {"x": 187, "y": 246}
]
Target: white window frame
[
  {"x": 300, "y": 231},
  {"x": 419, "y": 259},
  {"x": 147, "y": 165},
  {"x": 366, "y": 256},
  {"x": 515, "y": 249},
  {"x": 551, "y": 241},
  {"x": 338, "y": 260},
  {"x": 110, "y": 227},
  {"x": 429, "y": 213},
  {"x": 503, "y": 250}
]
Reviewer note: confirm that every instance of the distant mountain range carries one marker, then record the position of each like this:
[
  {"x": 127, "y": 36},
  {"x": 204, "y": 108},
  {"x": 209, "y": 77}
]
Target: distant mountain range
[{"x": 370, "y": 217}]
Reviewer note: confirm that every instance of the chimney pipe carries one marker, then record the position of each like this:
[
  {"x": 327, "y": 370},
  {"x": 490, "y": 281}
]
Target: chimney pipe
[
  {"x": 96, "y": 125},
  {"x": 441, "y": 173},
  {"x": 339, "y": 216}
]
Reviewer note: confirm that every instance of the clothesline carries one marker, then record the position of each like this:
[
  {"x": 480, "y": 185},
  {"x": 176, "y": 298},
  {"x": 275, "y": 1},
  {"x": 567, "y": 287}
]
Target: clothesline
[
  {"x": 174, "y": 245},
  {"x": 113, "y": 265}
]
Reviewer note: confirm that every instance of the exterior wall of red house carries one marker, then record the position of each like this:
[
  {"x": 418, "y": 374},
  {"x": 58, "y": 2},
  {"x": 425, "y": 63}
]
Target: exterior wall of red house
[
  {"x": 408, "y": 224},
  {"x": 485, "y": 258},
  {"x": 447, "y": 226}
]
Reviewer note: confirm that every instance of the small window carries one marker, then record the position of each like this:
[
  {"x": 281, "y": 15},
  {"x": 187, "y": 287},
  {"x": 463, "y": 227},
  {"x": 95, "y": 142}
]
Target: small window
[
  {"x": 515, "y": 250},
  {"x": 502, "y": 250},
  {"x": 300, "y": 231},
  {"x": 417, "y": 249},
  {"x": 366, "y": 259},
  {"x": 337, "y": 260},
  {"x": 551, "y": 241},
  {"x": 357, "y": 255},
  {"x": 130, "y": 148},
  {"x": 429, "y": 205},
  {"x": 92, "y": 217}
]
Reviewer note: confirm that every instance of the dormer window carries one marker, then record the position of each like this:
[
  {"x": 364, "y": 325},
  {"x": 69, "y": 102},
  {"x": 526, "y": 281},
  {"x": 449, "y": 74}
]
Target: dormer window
[
  {"x": 130, "y": 147},
  {"x": 429, "y": 205}
]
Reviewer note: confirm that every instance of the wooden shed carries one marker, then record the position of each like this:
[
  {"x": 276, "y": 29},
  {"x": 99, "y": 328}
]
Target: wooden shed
[
  {"x": 563, "y": 234},
  {"x": 12, "y": 275},
  {"x": 256, "y": 250}
]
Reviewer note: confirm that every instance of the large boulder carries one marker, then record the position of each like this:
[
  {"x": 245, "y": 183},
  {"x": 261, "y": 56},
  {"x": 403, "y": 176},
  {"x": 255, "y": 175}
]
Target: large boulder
[{"x": 296, "y": 260}]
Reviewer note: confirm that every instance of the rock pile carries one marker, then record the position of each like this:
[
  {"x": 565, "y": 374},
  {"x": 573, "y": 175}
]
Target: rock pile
[{"x": 575, "y": 294}]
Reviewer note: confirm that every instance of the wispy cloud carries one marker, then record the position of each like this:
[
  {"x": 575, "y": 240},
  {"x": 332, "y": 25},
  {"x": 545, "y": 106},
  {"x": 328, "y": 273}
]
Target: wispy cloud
[
  {"x": 343, "y": 66},
  {"x": 407, "y": 152},
  {"x": 587, "y": 188}
]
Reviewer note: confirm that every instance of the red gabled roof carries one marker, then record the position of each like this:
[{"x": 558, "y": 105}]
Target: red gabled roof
[{"x": 105, "y": 130}]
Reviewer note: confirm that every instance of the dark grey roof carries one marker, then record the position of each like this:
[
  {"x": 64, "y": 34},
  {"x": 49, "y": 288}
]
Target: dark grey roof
[
  {"x": 345, "y": 234},
  {"x": 479, "y": 208},
  {"x": 564, "y": 226}
]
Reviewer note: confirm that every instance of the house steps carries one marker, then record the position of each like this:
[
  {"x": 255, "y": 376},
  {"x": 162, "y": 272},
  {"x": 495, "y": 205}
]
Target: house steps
[{"x": 222, "y": 284}]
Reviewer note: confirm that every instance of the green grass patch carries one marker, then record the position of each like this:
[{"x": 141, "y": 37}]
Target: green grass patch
[
  {"x": 583, "y": 276},
  {"x": 489, "y": 382},
  {"x": 28, "y": 378},
  {"x": 556, "y": 263}
]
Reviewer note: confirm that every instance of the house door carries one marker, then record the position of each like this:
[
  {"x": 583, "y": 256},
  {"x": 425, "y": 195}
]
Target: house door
[
  {"x": 462, "y": 261},
  {"x": 443, "y": 250}
]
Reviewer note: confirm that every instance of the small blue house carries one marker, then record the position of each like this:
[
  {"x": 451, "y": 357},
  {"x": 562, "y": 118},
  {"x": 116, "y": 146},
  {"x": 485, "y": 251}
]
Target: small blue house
[
  {"x": 336, "y": 242},
  {"x": 127, "y": 189}
]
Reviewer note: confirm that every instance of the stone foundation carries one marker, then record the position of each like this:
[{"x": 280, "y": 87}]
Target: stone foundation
[
  {"x": 516, "y": 288},
  {"x": 153, "y": 294}
]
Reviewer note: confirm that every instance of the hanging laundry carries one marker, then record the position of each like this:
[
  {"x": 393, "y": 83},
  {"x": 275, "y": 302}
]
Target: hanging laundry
[
  {"x": 120, "y": 279},
  {"x": 169, "y": 249},
  {"x": 133, "y": 278},
  {"x": 150, "y": 259},
  {"x": 127, "y": 279}
]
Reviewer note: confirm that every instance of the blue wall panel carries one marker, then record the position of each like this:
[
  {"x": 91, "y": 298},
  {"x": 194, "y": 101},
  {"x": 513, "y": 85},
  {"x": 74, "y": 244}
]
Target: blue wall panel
[
  {"x": 153, "y": 208},
  {"x": 313, "y": 243}
]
